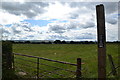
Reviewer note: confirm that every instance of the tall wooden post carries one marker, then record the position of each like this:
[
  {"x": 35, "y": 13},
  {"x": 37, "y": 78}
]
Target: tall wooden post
[{"x": 101, "y": 41}]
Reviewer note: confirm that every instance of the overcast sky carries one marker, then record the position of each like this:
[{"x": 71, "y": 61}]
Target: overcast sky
[{"x": 56, "y": 20}]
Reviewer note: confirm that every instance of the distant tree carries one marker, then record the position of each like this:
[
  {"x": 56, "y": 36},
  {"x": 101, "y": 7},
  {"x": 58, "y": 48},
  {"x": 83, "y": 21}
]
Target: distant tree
[
  {"x": 86, "y": 42},
  {"x": 27, "y": 41},
  {"x": 49, "y": 42},
  {"x": 12, "y": 41},
  {"x": 20, "y": 42},
  {"x": 63, "y": 42},
  {"x": 91, "y": 42},
  {"x": 57, "y": 42},
  {"x": 116, "y": 42},
  {"x": 72, "y": 42},
  {"x": 42, "y": 42}
]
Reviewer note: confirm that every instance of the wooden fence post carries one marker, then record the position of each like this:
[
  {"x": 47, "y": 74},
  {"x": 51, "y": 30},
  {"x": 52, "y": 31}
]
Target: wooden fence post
[
  {"x": 37, "y": 68},
  {"x": 114, "y": 72},
  {"x": 78, "y": 71},
  {"x": 101, "y": 41},
  {"x": 7, "y": 60}
]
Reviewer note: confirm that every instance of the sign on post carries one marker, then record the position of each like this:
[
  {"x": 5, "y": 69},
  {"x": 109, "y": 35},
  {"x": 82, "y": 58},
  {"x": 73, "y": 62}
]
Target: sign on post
[{"x": 101, "y": 37}]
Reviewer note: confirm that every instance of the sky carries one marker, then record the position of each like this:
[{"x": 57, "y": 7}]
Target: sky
[{"x": 56, "y": 20}]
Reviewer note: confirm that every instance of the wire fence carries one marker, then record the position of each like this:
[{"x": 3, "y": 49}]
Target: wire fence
[{"x": 37, "y": 67}]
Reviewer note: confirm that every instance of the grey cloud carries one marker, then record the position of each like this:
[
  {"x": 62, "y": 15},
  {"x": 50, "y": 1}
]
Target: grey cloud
[
  {"x": 15, "y": 6},
  {"x": 42, "y": 4},
  {"x": 111, "y": 19},
  {"x": 19, "y": 28},
  {"x": 62, "y": 29},
  {"x": 5, "y": 31},
  {"x": 59, "y": 31},
  {"x": 61, "y": 37},
  {"x": 87, "y": 34},
  {"x": 88, "y": 25},
  {"x": 8, "y": 31},
  {"x": 26, "y": 27},
  {"x": 119, "y": 11},
  {"x": 110, "y": 7},
  {"x": 25, "y": 9},
  {"x": 57, "y": 28},
  {"x": 74, "y": 16},
  {"x": 84, "y": 36},
  {"x": 15, "y": 31},
  {"x": 30, "y": 36},
  {"x": 88, "y": 5},
  {"x": 82, "y": 10},
  {"x": 30, "y": 14},
  {"x": 70, "y": 26},
  {"x": 78, "y": 4},
  {"x": 85, "y": 7}
]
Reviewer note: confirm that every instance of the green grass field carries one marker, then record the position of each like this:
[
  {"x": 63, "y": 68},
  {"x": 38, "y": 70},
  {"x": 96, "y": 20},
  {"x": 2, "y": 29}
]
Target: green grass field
[{"x": 67, "y": 53}]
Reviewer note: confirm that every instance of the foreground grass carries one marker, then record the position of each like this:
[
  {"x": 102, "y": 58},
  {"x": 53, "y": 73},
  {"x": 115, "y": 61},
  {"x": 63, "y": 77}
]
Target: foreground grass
[{"x": 67, "y": 53}]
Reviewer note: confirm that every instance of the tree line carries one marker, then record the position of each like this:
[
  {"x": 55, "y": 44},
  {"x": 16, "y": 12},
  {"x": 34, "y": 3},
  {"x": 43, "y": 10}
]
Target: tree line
[{"x": 59, "y": 42}]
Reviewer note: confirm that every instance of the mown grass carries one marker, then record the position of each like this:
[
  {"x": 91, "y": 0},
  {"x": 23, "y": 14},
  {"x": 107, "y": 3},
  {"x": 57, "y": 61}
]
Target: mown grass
[{"x": 67, "y": 53}]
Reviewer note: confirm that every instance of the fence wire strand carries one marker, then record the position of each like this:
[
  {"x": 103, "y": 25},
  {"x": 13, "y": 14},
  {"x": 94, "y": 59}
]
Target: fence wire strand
[{"x": 43, "y": 72}]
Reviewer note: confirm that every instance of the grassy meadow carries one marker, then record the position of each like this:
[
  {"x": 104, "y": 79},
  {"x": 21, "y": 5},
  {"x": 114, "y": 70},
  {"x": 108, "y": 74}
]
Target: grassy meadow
[{"x": 64, "y": 52}]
